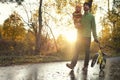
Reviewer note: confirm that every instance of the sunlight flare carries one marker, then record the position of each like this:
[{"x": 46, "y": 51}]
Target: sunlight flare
[{"x": 71, "y": 35}]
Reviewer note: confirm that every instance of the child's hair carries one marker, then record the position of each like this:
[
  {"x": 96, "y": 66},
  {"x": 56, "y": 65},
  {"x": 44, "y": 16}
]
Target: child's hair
[{"x": 78, "y": 5}]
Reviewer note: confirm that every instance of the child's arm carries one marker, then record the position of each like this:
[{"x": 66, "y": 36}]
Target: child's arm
[{"x": 77, "y": 15}]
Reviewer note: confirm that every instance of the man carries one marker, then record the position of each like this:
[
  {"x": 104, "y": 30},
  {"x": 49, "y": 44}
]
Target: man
[{"x": 84, "y": 37}]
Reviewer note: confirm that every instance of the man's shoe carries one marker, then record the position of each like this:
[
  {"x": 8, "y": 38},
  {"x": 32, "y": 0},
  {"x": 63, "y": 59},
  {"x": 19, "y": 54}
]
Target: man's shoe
[{"x": 69, "y": 66}]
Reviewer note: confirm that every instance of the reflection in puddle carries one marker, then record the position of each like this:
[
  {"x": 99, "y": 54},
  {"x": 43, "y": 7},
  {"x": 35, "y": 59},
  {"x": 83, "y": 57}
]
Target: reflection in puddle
[
  {"x": 101, "y": 75},
  {"x": 85, "y": 75},
  {"x": 72, "y": 75},
  {"x": 59, "y": 71},
  {"x": 78, "y": 76}
]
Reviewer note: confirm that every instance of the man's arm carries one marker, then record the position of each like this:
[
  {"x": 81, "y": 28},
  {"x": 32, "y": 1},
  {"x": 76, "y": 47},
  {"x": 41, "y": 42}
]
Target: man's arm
[{"x": 94, "y": 29}]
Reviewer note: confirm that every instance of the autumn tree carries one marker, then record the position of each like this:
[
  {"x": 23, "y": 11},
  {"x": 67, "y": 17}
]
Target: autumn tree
[
  {"x": 13, "y": 35},
  {"x": 35, "y": 23},
  {"x": 39, "y": 26},
  {"x": 114, "y": 17},
  {"x": 105, "y": 34},
  {"x": 115, "y": 35},
  {"x": 13, "y": 28},
  {"x": 110, "y": 32},
  {"x": 19, "y": 2},
  {"x": 41, "y": 33}
]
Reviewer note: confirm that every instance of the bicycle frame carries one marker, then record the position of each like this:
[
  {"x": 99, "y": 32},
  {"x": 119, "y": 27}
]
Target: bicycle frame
[{"x": 99, "y": 58}]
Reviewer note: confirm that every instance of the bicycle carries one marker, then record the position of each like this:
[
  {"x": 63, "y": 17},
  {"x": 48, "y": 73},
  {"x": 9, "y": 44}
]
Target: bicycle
[{"x": 100, "y": 58}]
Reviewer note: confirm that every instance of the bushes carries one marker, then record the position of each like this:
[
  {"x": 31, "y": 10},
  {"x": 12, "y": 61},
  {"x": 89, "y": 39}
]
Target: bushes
[{"x": 14, "y": 48}]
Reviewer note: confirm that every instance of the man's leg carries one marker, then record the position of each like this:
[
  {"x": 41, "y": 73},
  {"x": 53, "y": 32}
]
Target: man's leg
[
  {"x": 76, "y": 55},
  {"x": 87, "y": 52}
]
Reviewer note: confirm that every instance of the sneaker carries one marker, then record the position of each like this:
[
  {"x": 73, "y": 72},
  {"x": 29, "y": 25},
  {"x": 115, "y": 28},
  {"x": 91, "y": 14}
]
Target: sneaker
[{"x": 69, "y": 66}]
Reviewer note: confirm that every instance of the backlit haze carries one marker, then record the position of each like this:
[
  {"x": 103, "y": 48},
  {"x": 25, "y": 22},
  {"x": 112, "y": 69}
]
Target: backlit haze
[{"x": 64, "y": 23}]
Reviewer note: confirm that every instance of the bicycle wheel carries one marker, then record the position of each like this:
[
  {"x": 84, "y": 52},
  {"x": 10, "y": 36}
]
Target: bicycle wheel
[{"x": 94, "y": 60}]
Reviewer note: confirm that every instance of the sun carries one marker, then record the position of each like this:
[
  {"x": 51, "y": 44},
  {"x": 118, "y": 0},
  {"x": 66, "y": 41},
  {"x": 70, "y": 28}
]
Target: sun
[{"x": 71, "y": 36}]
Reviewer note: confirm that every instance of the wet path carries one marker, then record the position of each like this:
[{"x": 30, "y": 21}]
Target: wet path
[{"x": 59, "y": 71}]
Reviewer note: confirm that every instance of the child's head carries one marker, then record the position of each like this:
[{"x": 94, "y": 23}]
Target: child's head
[{"x": 78, "y": 8}]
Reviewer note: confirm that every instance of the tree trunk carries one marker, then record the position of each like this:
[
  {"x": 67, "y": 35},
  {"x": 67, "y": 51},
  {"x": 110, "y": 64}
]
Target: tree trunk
[
  {"x": 37, "y": 42},
  {"x": 38, "y": 35}
]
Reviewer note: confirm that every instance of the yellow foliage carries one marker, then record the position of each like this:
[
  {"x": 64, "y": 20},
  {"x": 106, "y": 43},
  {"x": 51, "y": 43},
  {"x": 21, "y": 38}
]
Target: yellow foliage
[{"x": 13, "y": 28}]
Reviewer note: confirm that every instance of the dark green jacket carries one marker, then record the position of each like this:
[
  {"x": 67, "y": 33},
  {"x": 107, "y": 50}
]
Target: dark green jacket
[{"x": 88, "y": 25}]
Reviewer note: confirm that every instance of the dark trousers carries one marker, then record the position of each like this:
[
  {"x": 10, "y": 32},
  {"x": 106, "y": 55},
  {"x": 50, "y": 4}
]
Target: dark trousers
[{"x": 82, "y": 45}]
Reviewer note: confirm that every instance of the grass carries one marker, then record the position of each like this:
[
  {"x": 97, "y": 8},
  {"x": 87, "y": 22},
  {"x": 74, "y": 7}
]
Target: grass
[{"x": 18, "y": 60}]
